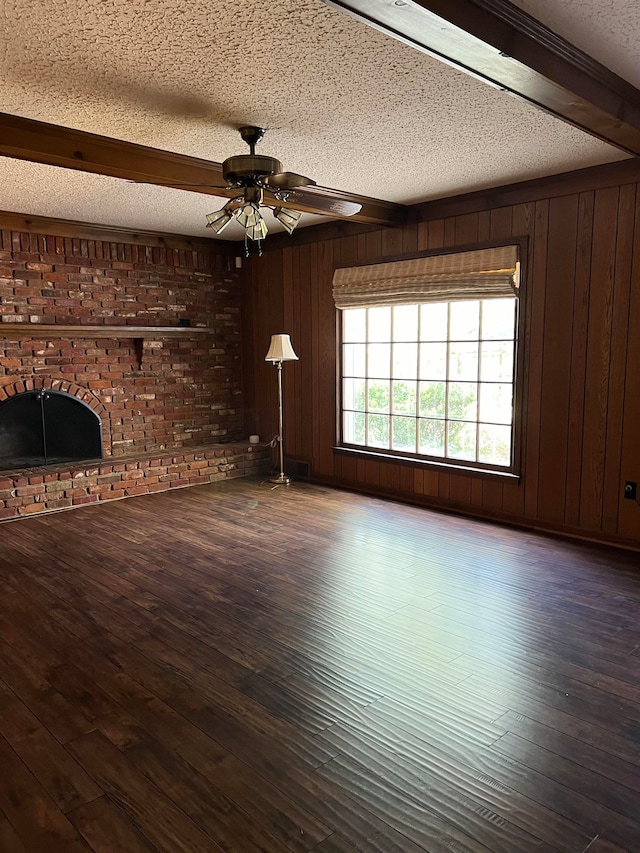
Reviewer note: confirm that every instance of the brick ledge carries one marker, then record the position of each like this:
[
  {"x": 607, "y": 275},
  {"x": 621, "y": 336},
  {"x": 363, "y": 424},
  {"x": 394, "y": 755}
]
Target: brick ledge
[{"x": 33, "y": 491}]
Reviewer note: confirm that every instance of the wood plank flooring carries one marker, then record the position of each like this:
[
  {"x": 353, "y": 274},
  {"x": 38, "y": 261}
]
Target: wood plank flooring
[{"x": 250, "y": 669}]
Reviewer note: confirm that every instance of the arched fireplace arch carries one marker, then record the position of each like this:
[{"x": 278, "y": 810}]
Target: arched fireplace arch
[{"x": 44, "y": 426}]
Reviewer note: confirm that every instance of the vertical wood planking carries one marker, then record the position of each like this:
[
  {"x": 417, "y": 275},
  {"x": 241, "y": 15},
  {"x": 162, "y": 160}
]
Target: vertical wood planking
[
  {"x": 249, "y": 336},
  {"x": 390, "y": 477},
  {"x": 533, "y": 356},
  {"x": 269, "y": 317},
  {"x": 501, "y": 223},
  {"x": 484, "y": 225},
  {"x": 410, "y": 239},
  {"x": 450, "y": 231},
  {"x": 325, "y": 367},
  {"x": 370, "y": 247},
  {"x": 466, "y": 229},
  {"x": 605, "y": 218},
  {"x": 289, "y": 371},
  {"x": 522, "y": 225},
  {"x": 316, "y": 370},
  {"x": 460, "y": 489},
  {"x": 522, "y": 219},
  {"x": 578, "y": 358},
  {"x": 434, "y": 234},
  {"x": 390, "y": 242},
  {"x": 406, "y": 479},
  {"x": 307, "y": 282},
  {"x": 612, "y": 490},
  {"x": 629, "y": 515},
  {"x": 554, "y": 402},
  {"x": 431, "y": 482}
]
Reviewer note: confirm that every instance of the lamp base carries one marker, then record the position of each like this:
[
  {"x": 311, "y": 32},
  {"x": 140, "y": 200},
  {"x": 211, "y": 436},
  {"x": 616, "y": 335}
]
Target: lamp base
[{"x": 280, "y": 479}]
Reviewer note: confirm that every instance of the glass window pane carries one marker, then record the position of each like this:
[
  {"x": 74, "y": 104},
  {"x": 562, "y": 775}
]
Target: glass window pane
[
  {"x": 464, "y": 323},
  {"x": 379, "y": 360},
  {"x": 405, "y": 323},
  {"x": 463, "y": 401},
  {"x": 378, "y": 396},
  {"x": 353, "y": 394},
  {"x": 353, "y": 426},
  {"x": 354, "y": 324},
  {"x": 419, "y": 378},
  {"x": 380, "y": 324},
  {"x": 463, "y": 361},
  {"x": 433, "y": 399},
  {"x": 433, "y": 361},
  {"x": 498, "y": 319},
  {"x": 496, "y": 403},
  {"x": 431, "y": 438},
  {"x": 434, "y": 322},
  {"x": 354, "y": 360},
  {"x": 404, "y": 397},
  {"x": 497, "y": 362},
  {"x": 378, "y": 433},
  {"x": 405, "y": 361},
  {"x": 495, "y": 444},
  {"x": 462, "y": 440},
  {"x": 404, "y": 434}
]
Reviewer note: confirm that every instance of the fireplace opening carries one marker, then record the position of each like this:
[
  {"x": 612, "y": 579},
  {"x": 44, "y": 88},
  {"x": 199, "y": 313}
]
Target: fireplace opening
[{"x": 46, "y": 428}]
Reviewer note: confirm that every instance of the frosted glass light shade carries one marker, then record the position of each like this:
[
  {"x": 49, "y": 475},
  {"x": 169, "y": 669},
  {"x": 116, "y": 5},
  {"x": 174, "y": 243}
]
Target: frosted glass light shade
[
  {"x": 219, "y": 219},
  {"x": 248, "y": 215},
  {"x": 257, "y": 231},
  {"x": 287, "y": 218},
  {"x": 280, "y": 349}
]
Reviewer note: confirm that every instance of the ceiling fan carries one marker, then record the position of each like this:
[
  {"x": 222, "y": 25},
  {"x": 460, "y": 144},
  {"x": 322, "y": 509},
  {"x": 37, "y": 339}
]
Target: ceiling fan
[{"x": 262, "y": 183}]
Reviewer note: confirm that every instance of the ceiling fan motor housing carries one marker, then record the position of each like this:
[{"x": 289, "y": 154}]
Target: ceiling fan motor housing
[{"x": 245, "y": 167}]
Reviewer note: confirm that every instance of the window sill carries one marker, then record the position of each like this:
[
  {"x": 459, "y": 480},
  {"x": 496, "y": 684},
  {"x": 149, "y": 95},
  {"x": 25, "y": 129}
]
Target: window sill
[{"x": 444, "y": 467}]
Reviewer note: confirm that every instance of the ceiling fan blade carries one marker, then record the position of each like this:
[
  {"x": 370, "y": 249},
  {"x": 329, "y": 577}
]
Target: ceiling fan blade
[
  {"x": 331, "y": 202},
  {"x": 185, "y": 186},
  {"x": 287, "y": 181},
  {"x": 327, "y": 205}
]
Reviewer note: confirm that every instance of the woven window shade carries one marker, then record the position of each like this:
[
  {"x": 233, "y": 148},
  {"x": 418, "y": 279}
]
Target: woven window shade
[{"x": 481, "y": 274}]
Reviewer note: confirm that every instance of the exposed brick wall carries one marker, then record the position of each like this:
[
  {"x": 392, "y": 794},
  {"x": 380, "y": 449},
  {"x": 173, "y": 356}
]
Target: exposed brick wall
[{"x": 185, "y": 392}]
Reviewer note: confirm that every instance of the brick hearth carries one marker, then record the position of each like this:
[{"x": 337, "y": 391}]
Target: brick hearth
[{"x": 57, "y": 487}]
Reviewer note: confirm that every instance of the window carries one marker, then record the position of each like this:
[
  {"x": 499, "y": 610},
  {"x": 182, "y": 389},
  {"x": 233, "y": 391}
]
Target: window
[{"x": 431, "y": 379}]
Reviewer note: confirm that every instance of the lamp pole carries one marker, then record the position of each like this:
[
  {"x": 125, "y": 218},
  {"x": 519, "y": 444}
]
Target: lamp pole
[
  {"x": 281, "y": 478},
  {"x": 280, "y": 350}
]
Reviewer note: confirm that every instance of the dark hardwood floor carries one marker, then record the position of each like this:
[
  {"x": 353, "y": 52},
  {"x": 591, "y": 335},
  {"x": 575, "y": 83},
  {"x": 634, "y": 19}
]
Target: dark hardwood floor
[{"x": 241, "y": 668}]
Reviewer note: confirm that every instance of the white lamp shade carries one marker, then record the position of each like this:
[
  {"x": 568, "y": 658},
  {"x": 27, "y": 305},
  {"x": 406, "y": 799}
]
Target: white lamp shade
[{"x": 280, "y": 349}]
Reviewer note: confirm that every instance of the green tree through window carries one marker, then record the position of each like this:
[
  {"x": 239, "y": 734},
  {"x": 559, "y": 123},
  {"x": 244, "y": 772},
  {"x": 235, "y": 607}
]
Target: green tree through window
[{"x": 433, "y": 380}]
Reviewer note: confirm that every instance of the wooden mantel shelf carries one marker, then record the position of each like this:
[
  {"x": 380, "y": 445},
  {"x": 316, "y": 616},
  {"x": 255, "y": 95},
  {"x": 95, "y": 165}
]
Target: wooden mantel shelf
[{"x": 34, "y": 331}]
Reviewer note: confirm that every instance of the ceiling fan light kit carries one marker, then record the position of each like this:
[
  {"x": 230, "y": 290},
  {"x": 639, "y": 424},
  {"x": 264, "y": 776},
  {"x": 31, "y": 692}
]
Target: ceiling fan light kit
[{"x": 252, "y": 174}]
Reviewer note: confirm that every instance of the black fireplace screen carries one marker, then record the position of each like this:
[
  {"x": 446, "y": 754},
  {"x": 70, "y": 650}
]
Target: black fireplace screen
[{"x": 45, "y": 428}]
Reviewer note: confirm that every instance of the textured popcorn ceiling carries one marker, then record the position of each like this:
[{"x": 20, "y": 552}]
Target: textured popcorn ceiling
[
  {"x": 343, "y": 104},
  {"x": 608, "y": 30}
]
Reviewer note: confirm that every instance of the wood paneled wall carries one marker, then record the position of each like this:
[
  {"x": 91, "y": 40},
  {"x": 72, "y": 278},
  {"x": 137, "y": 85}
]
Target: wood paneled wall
[{"x": 581, "y": 351}]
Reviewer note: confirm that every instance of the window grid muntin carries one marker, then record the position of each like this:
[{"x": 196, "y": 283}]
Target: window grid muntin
[{"x": 418, "y": 417}]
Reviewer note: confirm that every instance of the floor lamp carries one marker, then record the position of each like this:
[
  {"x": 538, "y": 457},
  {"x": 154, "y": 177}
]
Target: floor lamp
[{"x": 280, "y": 350}]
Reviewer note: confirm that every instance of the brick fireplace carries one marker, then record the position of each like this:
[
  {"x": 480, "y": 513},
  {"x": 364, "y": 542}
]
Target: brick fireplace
[{"x": 146, "y": 334}]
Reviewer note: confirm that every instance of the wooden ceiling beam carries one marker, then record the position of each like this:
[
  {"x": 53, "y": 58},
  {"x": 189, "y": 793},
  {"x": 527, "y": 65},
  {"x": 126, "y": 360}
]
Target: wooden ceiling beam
[
  {"x": 38, "y": 142},
  {"x": 498, "y": 43}
]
